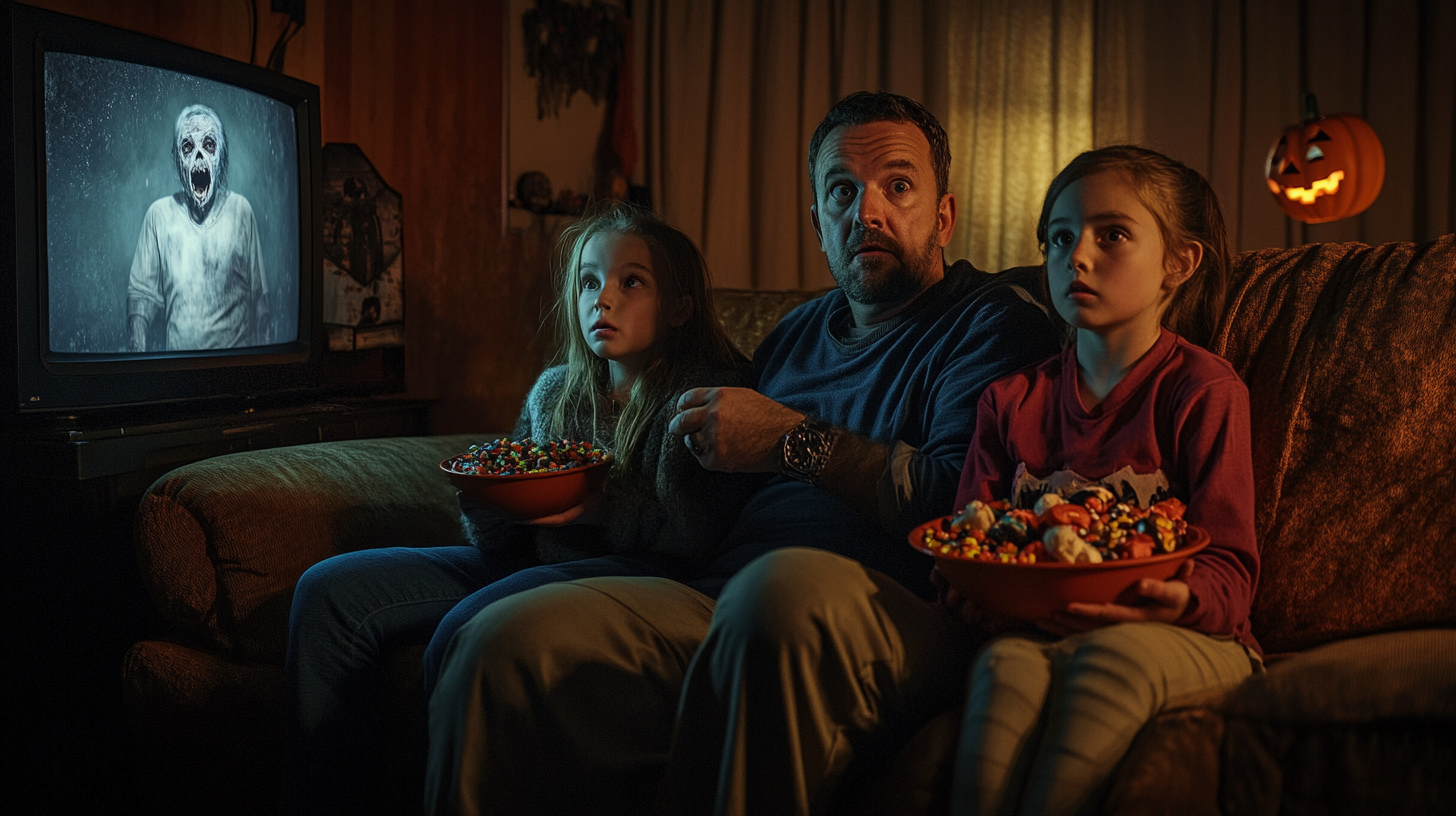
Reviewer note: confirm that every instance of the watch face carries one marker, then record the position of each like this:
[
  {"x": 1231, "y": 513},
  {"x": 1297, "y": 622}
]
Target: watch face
[{"x": 805, "y": 451}]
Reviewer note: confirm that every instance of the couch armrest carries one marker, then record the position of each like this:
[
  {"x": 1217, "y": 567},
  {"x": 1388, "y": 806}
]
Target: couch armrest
[
  {"x": 205, "y": 730},
  {"x": 221, "y": 543}
]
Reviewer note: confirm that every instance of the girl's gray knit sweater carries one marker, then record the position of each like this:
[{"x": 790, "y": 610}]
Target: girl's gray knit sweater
[{"x": 672, "y": 507}]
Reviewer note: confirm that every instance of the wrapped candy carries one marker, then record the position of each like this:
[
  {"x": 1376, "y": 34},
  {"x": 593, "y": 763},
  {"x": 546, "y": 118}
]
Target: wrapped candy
[
  {"x": 1094, "y": 497},
  {"x": 1046, "y": 502},
  {"x": 1064, "y": 544},
  {"x": 976, "y": 516}
]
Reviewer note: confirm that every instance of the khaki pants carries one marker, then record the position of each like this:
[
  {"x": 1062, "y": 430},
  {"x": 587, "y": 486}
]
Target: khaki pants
[
  {"x": 1047, "y": 721},
  {"x": 618, "y": 695}
]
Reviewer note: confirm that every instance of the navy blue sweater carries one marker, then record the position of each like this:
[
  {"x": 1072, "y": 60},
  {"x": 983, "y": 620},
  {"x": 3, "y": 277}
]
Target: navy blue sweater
[{"x": 917, "y": 380}]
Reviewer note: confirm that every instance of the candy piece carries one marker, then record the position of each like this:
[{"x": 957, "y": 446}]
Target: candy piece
[
  {"x": 1009, "y": 528},
  {"x": 1064, "y": 544},
  {"x": 1067, "y": 513},
  {"x": 1160, "y": 529},
  {"x": 1093, "y": 497},
  {"x": 1138, "y": 545},
  {"x": 1026, "y": 517},
  {"x": 1172, "y": 508},
  {"x": 976, "y": 516},
  {"x": 1045, "y": 502}
]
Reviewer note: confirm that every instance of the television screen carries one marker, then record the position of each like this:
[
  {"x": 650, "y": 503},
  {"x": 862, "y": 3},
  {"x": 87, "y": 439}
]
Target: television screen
[
  {"x": 171, "y": 211},
  {"x": 160, "y": 218}
]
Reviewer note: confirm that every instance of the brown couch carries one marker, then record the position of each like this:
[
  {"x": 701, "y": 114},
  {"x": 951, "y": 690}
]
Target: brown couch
[{"x": 1349, "y": 352}]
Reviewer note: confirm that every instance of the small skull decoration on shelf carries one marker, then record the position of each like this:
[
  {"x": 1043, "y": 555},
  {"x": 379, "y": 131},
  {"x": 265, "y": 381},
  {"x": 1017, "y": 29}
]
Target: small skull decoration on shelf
[{"x": 533, "y": 191}]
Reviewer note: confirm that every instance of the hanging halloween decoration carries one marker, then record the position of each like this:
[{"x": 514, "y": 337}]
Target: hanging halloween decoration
[
  {"x": 571, "y": 47},
  {"x": 1325, "y": 168}
]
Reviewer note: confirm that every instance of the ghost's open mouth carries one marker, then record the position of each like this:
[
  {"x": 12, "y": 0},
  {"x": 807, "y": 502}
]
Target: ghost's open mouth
[{"x": 201, "y": 182}]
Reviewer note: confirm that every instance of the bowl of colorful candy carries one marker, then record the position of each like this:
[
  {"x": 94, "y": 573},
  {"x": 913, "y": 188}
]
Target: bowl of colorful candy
[
  {"x": 526, "y": 479},
  {"x": 1087, "y": 548}
]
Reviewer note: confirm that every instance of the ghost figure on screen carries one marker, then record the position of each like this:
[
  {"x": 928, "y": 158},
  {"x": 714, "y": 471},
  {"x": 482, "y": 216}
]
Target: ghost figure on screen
[{"x": 198, "y": 261}]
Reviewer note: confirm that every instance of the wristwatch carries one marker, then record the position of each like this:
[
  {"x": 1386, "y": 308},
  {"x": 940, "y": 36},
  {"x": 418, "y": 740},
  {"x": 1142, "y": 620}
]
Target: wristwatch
[{"x": 805, "y": 450}]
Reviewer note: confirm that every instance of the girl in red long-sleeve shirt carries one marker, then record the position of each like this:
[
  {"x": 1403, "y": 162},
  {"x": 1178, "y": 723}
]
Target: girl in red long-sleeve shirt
[{"x": 1136, "y": 259}]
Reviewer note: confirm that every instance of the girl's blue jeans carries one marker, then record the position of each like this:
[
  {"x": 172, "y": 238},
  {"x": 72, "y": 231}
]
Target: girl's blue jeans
[{"x": 348, "y": 611}]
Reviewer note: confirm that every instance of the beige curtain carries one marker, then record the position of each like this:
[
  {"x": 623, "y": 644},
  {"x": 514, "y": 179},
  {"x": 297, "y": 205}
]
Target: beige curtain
[
  {"x": 1020, "y": 103},
  {"x": 732, "y": 91},
  {"x": 734, "y": 88},
  {"x": 1219, "y": 80}
]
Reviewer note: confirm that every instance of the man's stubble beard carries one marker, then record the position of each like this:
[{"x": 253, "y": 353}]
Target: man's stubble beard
[{"x": 885, "y": 282}]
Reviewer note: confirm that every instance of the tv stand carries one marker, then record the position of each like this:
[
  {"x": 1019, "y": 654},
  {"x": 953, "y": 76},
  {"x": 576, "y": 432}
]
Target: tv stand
[
  {"x": 131, "y": 449},
  {"x": 73, "y": 597}
]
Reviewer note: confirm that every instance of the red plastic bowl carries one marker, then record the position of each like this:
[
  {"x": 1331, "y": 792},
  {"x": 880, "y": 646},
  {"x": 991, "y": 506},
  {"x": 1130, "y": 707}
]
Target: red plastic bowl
[
  {"x": 531, "y": 495},
  {"x": 1035, "y": 591}
]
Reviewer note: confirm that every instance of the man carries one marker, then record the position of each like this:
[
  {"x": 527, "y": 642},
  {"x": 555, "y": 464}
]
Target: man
[
  {"x": 198, "y": 261},
  {"x": 567, "y": 699}
]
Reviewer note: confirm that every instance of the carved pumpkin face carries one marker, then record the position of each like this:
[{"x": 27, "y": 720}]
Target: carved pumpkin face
[{"x": 1326, "y": 169}]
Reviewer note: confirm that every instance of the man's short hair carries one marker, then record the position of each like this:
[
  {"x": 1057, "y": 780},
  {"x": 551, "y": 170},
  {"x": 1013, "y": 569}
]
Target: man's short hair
[{"x": 864, "y": 107}]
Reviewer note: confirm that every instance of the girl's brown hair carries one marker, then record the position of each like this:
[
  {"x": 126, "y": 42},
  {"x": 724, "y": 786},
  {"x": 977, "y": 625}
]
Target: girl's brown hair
[
  {"x": 701, "y": 342},
  {"x": 1187, "y": 211}
]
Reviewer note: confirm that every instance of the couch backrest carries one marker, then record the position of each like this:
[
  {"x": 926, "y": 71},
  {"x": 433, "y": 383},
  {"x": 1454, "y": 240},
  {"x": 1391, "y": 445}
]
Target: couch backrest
[
  {"x": 1349, "y": 352},
  {"x": 749, "y": 314}
]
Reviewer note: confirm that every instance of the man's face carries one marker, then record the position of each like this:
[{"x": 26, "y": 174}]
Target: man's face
[{"x": 877, "y": 214}]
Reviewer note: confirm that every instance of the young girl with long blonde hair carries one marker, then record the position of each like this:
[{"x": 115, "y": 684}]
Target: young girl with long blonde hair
[{"x": 637, "y": 327}]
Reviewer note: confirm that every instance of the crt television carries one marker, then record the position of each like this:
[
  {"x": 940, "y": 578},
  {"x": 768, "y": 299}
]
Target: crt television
[{"x": 160, "y": 212}]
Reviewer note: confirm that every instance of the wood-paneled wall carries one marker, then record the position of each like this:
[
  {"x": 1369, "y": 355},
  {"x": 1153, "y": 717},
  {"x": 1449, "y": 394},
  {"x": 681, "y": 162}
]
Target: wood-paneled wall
[{"x": 418, "y": 85}]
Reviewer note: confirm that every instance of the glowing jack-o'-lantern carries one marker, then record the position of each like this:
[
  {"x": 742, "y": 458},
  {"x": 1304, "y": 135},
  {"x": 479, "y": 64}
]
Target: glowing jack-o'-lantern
[{"x": 1325, "y": 168}]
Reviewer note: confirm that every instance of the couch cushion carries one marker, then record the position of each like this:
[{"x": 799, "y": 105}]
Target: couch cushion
[
  {"x": 222, "y": 542},
  {"x": 1390, "y": 676},
  {"x": 1360, "y": 726},
  {"x": 1349, "y": 352}
]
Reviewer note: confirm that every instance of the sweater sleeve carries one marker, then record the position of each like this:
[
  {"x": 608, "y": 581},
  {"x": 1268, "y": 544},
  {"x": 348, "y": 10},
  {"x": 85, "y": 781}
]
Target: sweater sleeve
[
  {"x": 988, "y": 466},
  {"x": 1005, "y": 335},
  {"x": 1214, "y": 443},
  {"x": 676, "y": 507}
]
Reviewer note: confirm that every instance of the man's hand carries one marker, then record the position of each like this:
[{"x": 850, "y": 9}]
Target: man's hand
[
  {"x": 1164, "y": 601},
  {"x": 735, "y": 430}
]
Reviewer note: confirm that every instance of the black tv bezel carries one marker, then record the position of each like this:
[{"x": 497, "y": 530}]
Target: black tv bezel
[{"x": 48, "y": 382}]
